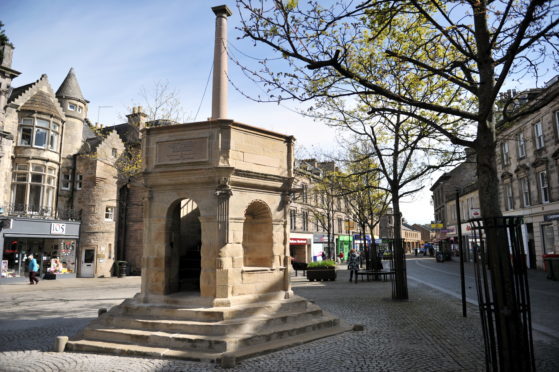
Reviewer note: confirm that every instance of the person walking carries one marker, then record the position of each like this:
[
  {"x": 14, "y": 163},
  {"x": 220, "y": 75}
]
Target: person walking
[
  {"x": 33, "y": 270},
  {"x": 353, "y": 264}
]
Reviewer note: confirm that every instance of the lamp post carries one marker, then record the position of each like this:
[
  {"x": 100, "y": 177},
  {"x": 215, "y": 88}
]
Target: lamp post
[{"x": 461, "y": 249}]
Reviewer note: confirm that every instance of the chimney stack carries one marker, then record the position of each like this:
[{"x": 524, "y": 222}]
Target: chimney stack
[{"x": 219, "y": 86}]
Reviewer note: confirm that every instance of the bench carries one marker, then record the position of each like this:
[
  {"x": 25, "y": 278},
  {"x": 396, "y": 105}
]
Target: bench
[
  {"x": 299, "y": 266},
  {"x": 375, "y": 274}
]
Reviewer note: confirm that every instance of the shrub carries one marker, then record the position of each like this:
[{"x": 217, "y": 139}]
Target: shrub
[{"x": 321, "y": 264}]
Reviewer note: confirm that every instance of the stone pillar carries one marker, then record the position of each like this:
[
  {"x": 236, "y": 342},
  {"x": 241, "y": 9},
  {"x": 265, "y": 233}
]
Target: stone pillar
[{"x": 219, "y": 86}]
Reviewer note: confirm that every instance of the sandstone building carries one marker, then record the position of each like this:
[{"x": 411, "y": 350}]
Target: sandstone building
[
  {"x": 58, "y": 189},
  {"x": 528, "y": 168}
]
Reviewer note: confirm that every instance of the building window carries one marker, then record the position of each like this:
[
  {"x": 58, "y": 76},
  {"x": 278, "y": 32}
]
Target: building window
[
  {"x": 538, "y": 135},
  {"x": 79, "y": 109},
  {"x": 33, "y": 187},
  {"x": 305, "y": 193},
  {"x": 340, "y": 226},
  {"x": 521, "y": 145},
  {"x": 66, "y": 181},
  {"x": 305, "y": 221},
  {"x": 293, "y": 219},
  {"x": 109, "y": 213},
  {"x": 525, "y": 187},
  {"x": 72, "y": 107},
  {"x": 39, "y": 133},
  {"x": 544, "y": 188},
  {"x": 79, "y": 181},
  {"x": 114, "y": 152},
  {"x": 505, "y": 153},
  {"x": 509, "y": 201},
  {"x": 316, "y": 224},
  {"x": 556, "y": 115},
  {"x": 548, "y": 238}
]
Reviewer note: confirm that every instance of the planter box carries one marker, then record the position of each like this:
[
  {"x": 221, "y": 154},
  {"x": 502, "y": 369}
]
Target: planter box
[{"x": 321, "y": 274}]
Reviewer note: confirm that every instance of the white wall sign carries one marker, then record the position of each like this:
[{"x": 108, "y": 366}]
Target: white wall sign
[{"x": 58, "y": 228}]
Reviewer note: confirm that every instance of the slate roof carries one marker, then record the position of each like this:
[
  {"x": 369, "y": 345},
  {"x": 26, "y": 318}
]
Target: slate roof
[
  {"x": 16, "y": 92},
  {"x": 129, "y": 134},
  {"x": 41, "y": 102},
  {"x": 70, "y": 88}
]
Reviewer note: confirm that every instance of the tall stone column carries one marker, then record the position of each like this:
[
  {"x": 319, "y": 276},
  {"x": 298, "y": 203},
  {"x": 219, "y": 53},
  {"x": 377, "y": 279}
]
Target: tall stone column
[{"x": 219, "y": 86}]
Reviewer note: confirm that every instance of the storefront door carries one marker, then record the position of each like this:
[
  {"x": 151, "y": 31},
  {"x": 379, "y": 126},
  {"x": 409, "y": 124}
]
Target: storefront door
[{"x": 88, "y": 263}]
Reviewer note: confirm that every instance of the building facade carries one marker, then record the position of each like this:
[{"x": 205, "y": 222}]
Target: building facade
[
  {"x": 316, "y": 214},
  {"x": 528, "y": 171},
  {"x": 58, "y": 194}
]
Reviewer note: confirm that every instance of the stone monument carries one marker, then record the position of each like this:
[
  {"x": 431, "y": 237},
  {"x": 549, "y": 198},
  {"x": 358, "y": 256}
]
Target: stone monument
[{"x": 215, "y": 267}]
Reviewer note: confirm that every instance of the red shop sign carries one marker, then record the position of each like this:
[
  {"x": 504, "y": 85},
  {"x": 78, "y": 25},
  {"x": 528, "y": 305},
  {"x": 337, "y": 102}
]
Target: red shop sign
[{"x": 297, "y": 241}]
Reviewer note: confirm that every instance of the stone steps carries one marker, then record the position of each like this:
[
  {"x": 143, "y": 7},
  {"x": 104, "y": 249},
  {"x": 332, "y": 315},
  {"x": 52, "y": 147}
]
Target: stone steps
[
  {"x": 121, "y": 349},
  {"x": 204, "y": 333},
  {"x": 166, "y": 311},
  {"x": 224, "y": 327}
]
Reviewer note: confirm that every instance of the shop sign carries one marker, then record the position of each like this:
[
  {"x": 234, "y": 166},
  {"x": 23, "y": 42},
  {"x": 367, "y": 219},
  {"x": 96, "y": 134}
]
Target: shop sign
[
  {"x": 551, "y": 217},
  {"x": 320, "y": 238},
  {"x": 58, "y": 228},
  {"x": 357, "y": 238},
  {"x": 436, "y": 225},
  {"x": 475, "y": 213},
  {"x": 297, "y": 241}
]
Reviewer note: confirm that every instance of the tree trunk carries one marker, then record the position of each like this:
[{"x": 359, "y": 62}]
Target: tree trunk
[
  {"x": 511, "y": 341},
  {"x": 400, "y": 291}
]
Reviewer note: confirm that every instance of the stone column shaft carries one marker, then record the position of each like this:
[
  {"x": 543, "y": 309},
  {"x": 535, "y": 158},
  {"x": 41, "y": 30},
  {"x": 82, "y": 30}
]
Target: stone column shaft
[{"x": 219, "y": 86}]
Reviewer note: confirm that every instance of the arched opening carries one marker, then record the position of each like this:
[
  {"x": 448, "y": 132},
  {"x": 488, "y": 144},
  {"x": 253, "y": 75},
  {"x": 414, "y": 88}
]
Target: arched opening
[
  {"x": 257, "y": 236},
  {"x": 183, "y": 247}
]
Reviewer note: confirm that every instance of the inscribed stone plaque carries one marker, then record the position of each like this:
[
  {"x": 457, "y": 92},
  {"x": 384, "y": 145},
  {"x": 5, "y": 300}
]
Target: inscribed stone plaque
[{"x": 182, "y": 151}]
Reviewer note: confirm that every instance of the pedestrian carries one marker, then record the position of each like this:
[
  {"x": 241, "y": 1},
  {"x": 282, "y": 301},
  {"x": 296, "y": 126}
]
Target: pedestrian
[
  {"x": 323, "y": 256},
  {"x": 353, "y": 264},
  {"x": 341, "y": 255},
  {"x": 33, "y": 270}
]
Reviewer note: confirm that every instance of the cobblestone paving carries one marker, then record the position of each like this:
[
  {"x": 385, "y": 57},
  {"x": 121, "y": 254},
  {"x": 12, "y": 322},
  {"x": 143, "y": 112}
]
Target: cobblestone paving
[{"x": 426, "y": 333}]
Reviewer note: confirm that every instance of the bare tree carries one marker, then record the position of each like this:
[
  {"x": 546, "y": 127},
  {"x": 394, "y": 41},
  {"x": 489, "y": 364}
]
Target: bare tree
[{"x": 161, "y": 101}]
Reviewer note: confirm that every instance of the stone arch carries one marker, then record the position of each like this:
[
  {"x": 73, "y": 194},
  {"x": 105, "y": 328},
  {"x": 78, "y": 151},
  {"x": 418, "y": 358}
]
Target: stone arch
[
  {"x": 183, "y": 243},
  {"x": 258, "y": 239}
]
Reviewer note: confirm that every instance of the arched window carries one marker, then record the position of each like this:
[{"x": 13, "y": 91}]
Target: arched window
[{"x": 258, "y": 236}]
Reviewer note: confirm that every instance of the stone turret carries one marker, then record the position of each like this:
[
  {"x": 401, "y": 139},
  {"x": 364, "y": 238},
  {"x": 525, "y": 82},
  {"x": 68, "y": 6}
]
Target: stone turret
[{"x": 75, "y": 107}]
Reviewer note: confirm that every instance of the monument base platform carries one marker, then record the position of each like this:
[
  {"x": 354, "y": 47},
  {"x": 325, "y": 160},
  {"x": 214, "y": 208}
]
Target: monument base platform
[{"x": 178, "y": 328}]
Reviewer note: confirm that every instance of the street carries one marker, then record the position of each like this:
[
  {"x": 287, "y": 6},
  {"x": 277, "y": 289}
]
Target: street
[{"x": 445, "y": 277}]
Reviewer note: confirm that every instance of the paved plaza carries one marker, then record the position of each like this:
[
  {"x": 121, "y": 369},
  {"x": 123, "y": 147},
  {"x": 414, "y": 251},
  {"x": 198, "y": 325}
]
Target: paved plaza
[{"x": 426, "y": 333}]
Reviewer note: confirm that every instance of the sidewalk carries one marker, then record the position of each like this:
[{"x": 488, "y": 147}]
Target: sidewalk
[{"x": 426, "y": 333}]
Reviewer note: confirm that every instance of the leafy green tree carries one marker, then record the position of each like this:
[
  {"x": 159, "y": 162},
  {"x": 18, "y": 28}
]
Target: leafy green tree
[{"x": 470, "y": 47}]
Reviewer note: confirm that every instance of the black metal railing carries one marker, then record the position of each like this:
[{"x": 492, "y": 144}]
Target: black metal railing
[
  {"x": 34, "y": 211},
  {"x": 503, "y": 293}
]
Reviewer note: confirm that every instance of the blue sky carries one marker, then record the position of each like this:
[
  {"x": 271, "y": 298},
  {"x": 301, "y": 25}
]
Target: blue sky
[{"x": 118, "y": 47}]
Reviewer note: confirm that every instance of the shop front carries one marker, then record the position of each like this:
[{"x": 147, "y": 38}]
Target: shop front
[
  {"x": 359, "y": 243},
  {"x": 53, "y": 243},
  {"x": 320, "y": 244},
  {"x": 343, "y": 245},
  {"x": 300, "y": 247}
]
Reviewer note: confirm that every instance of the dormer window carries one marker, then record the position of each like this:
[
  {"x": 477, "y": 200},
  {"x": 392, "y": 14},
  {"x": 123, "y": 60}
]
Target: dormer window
[{"x": 72, "y": 107}]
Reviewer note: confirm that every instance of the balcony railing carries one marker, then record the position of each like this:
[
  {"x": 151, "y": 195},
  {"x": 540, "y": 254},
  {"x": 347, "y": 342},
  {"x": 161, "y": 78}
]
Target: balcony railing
[{"x": 33, "y": 211}]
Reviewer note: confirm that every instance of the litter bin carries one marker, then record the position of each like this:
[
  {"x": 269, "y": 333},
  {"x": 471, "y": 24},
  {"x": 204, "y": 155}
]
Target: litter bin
[
  {"x": 121, "y": 268},
  {"x": 552, "y": 267},
  {"x": 546, "y": 262}
]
